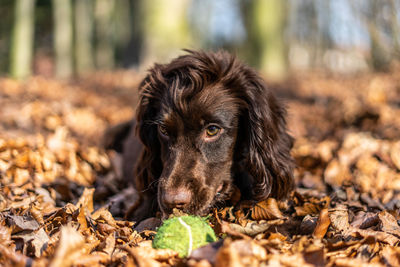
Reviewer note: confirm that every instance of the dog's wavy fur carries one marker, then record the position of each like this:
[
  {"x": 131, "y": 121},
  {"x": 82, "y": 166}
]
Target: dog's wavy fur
[{"x": 260, "y": 162}]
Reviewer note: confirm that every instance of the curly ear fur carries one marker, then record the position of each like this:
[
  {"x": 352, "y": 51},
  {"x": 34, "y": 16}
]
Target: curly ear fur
[
  {"x": 264, "y": 143},
  {"x": 269, "y": 160},
  {"x": 149, "y": 167}
]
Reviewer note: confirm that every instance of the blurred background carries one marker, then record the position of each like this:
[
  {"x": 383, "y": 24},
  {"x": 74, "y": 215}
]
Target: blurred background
[{"x": 70, "y": 38}]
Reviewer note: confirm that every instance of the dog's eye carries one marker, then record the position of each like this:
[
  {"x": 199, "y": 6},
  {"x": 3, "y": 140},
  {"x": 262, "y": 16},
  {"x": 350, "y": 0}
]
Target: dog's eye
[
  {"x": 212, "y": 130},
  {"x": 162, "y": 130}
]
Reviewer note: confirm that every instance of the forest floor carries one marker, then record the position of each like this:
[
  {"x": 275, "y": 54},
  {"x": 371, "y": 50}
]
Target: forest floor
[{"x": 60, "y": 204}]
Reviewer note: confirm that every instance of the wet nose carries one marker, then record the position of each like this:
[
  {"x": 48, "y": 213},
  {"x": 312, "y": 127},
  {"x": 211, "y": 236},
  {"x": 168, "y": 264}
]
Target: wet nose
[{"x": 177, "y": 198}]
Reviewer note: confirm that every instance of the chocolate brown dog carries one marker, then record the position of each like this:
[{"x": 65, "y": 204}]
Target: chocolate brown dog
[{"x": 204, "y": 123}]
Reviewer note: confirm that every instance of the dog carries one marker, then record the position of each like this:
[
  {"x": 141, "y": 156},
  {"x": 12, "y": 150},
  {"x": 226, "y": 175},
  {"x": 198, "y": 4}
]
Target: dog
[{"x": 205, "y": 123}]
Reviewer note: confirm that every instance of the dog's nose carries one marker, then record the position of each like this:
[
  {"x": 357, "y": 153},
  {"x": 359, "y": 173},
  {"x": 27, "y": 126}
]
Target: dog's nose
[{"x": 177, "y": 198}]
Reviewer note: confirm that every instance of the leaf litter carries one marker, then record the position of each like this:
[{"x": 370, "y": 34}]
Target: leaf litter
[{"x": 62, "y": 202}]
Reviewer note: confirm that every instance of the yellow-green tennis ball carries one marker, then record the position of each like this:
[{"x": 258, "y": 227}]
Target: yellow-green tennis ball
[{"x": 184, "y": 234}]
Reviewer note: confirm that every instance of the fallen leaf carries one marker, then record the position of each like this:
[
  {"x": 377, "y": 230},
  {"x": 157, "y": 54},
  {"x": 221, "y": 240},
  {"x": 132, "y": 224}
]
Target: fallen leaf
[
  {"x": 86, "y": 200},
  {"x": 240, "y": 253},
  {"x": 22, "y": 223},
  {"x": 308, "y": 225},
  {"x": 388, "y": 223},
  {"x": 70, "y": 248},
  {"x": 254, "y": 228},
  {"x": 34, "y": 241},
  {"x": 207, "y": 252},
  {"x": 339, "y": 218},
  {"x": 322, "y": 224},
  {"x": 266, "y": 210},
  {"x": 365, "y": 220},
  {"x": 395, "y": 154}
]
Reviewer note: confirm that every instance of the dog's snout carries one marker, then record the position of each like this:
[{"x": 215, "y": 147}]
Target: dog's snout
[{"x": 177, "y": 198}]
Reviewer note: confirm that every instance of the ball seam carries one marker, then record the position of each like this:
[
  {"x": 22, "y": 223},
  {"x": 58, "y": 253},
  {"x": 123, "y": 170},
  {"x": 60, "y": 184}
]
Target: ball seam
[{"x": 190, "y": 235}]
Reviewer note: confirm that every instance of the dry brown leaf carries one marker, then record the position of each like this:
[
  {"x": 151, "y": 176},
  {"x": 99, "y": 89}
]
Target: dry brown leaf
[
  {"x": 22, "y": 223},
  {"x": 70, "y": 248},
  {"x": 105, "y": 229},
  {"x": 339, "y": 218},
  {"x": 86, "y": 200},
  {"x": 326, "y": 149},
  {"x": 93, "y": 260},
  {"x": 354, "y": 262},
  {"x": 288, "y": 260},
  {"x": 103, "y": 214},
  {"x": 315, "y": 256},
  {"x": 308, "y": 225},
  {"x": 365, "y": 220},
  {"x": 322, "y": 224},
  {"x": 240, "y": 253},
  {"x": 253, "y": 228},
  {"x": 336, "y": 173},
  {"x": 266, "y": 210},
  {"x": 395, "y": 154},
  {"x": 388, "y": 223},
  {"x": 109, "y": 244},
  {"x": 12, "y": 258},
  {"x": 81, "y": 218},
  {"x": 201, "y": 263},
  {"x": 391, "y": 255},
  {"x": 377, "y": 235},
  {"x": 307, "y": 209},
  {"x": 145, "y": 249},
  {"x": 151, "y": 223},
  {"x": 5, "y": 235},
  {"x": 207, "y": 252},
  {"x": 141, "y": 260},
  {"x": 34, "y": 241}
]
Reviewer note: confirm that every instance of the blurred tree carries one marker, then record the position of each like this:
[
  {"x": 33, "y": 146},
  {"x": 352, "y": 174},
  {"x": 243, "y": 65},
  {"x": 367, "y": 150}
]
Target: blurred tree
[
  {"x": 265, "y": 23},
  {"x": 379, "y": 57},
  {"x": 324, "y": 41},
  {"x": 395, "y": 28},
  {"x": 83, "y": 36},
  {"x": 6, "y": 29},
  {"x": 104, "y": 34},
  {"x": 22, "y": 39},
  {"x": 166, "y": 29},
  {"x": 130, "y": 55},
  {"x": 63, "y": 38},
  {"x": 122, "y": 28}
]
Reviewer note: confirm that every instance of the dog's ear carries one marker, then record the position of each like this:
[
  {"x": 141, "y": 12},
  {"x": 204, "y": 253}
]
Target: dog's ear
[
  {"x": 115, "y": 136},
  {"x": 268, "y": 157},
  {"x": 149, "y": 166}
]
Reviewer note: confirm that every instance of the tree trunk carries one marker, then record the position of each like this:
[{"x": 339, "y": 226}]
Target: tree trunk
[
  {"x": 265, "y": 21},
  {"x": 22, "y": 39},
  {"x": 166, "y": 29},
  {"x": 379, "y": 56},
  {"x": 105, "y": 45},
  {"x": 62, "y": 17},
  {"x": 122, "y": 28},
  {"x": 83, "y": 36},
  {"x": 395, "y": 29},
  {"x": 132, "y": 53}
]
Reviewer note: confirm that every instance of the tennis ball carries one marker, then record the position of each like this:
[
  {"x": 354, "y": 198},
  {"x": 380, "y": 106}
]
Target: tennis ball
[{"x": 184, "y": 234}]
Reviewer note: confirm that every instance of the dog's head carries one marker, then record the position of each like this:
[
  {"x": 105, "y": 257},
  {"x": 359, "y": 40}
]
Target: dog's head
[{"x": 207, "y": 121}]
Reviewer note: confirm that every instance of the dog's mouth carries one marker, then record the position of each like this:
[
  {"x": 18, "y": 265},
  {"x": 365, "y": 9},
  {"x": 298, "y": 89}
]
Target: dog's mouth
[
  {"x": 219, "y": 189},
  {"x": 222, "y": 193}
]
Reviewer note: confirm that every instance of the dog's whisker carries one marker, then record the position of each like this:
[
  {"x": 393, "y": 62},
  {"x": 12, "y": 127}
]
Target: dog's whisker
[{"x": 155, "y": 182}]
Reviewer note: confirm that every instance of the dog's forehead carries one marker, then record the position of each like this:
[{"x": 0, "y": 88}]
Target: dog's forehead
[{"x": 210, "y": 105}]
